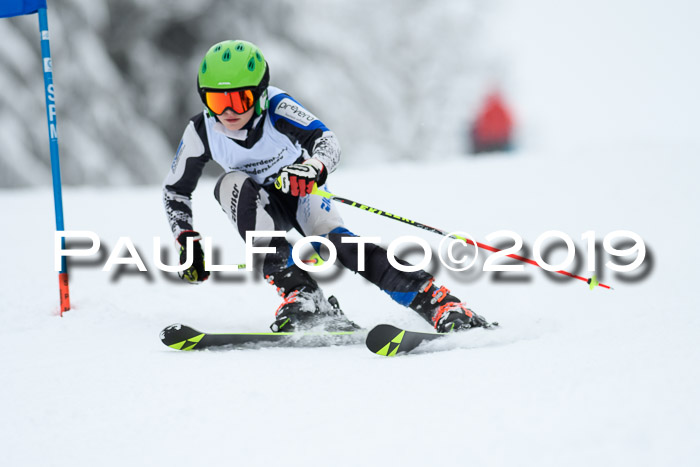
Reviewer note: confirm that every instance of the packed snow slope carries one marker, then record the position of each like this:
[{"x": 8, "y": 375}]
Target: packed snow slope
[
  {"x": 607, "y": 99},
  {"x": 572, "y": 377}
]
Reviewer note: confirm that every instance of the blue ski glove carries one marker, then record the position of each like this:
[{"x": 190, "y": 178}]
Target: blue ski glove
[{"x": 195, "y": 274}]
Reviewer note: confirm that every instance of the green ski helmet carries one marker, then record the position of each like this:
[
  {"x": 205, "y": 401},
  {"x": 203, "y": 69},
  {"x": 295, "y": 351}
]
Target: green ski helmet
[{"x": 234, "y": 65}]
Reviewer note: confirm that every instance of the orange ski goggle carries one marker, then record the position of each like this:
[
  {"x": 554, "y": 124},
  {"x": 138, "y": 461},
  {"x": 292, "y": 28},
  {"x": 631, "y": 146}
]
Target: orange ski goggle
[{"x": 238, "y": 101}]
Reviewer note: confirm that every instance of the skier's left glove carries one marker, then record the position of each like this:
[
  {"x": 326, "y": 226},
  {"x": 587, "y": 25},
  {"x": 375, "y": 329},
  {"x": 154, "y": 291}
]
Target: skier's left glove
[
  {"x": 299, "y": 179},
  {"x": 195, "y": 274}
]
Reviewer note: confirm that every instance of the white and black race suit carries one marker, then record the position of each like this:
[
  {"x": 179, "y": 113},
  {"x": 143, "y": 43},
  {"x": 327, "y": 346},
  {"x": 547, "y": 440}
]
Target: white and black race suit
[{"x": 284, "y": 134}]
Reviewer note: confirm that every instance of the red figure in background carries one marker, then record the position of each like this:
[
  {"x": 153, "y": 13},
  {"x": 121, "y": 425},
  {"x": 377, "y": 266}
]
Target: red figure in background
[{"x": 493, "y": 128}]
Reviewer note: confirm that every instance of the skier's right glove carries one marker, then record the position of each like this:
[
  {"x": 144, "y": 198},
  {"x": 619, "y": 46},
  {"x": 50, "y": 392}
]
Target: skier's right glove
[
  {"x": 195, "y": 274},
  {"x": 299, "y": 179}
]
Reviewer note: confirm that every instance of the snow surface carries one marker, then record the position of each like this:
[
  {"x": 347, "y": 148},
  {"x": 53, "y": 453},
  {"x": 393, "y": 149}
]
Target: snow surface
[{"x": 573, "y": 377}]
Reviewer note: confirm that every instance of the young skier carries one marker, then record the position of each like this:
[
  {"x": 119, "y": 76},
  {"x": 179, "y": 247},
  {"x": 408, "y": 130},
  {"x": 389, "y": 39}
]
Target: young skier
[{"x": 259, "y": 134}]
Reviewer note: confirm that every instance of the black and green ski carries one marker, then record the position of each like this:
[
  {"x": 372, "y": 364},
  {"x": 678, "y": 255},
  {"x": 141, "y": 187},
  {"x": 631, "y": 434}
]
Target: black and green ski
[
  {"x": 388, "y": 340},
  {"x": 181, "y": 337},
  {"x": 383, "y": 339}
]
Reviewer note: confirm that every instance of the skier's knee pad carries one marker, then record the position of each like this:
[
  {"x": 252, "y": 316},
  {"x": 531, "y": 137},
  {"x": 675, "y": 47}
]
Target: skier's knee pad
[
  {"x": 236, "y": 193},
  {"x": 228, "y": 186}
]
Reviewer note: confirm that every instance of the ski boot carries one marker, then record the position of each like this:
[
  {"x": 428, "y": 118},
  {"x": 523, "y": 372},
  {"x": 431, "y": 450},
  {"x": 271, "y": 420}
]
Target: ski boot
[
  {"x": 304, "y": 306},
  {"x": 445, "y": 311}
]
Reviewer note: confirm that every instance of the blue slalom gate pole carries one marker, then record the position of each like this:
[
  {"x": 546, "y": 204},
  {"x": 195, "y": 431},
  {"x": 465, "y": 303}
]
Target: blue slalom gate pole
[{"x": 53, "y": 147}]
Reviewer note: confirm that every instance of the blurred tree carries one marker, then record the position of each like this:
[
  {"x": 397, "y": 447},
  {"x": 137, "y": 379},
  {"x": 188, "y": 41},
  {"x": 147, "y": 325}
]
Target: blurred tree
[{"x": 394, "y": 79}]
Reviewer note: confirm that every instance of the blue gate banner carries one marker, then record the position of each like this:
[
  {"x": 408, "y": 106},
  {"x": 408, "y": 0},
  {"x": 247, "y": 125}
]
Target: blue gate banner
[{"x": 20, "y": 7}]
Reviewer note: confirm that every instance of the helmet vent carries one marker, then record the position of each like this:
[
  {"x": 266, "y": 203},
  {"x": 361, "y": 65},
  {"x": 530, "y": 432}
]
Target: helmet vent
[
  {"x": 227, "y": 55},
  {"x": 204, "y": 66},
  {"x": 217, "y": 48},
  {"x": 240, "y": 47},
  {"x": 258, "y": 56},
  {"x": 251, "y": 64}
]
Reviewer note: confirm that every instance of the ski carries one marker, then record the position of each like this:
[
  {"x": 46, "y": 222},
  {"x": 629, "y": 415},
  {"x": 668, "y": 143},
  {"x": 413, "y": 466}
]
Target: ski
[
  {"x": 388, "y": 340},
  {"x": 181, "y": 337}
]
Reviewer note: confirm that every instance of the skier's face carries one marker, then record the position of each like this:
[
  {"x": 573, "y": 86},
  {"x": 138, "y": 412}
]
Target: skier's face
[{"x": 233, "y": 121}]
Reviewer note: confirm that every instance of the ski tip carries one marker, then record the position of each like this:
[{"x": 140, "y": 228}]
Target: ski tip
[
  {"x": 384, "y": 339},
  {"x": 180, "y": 337}
]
